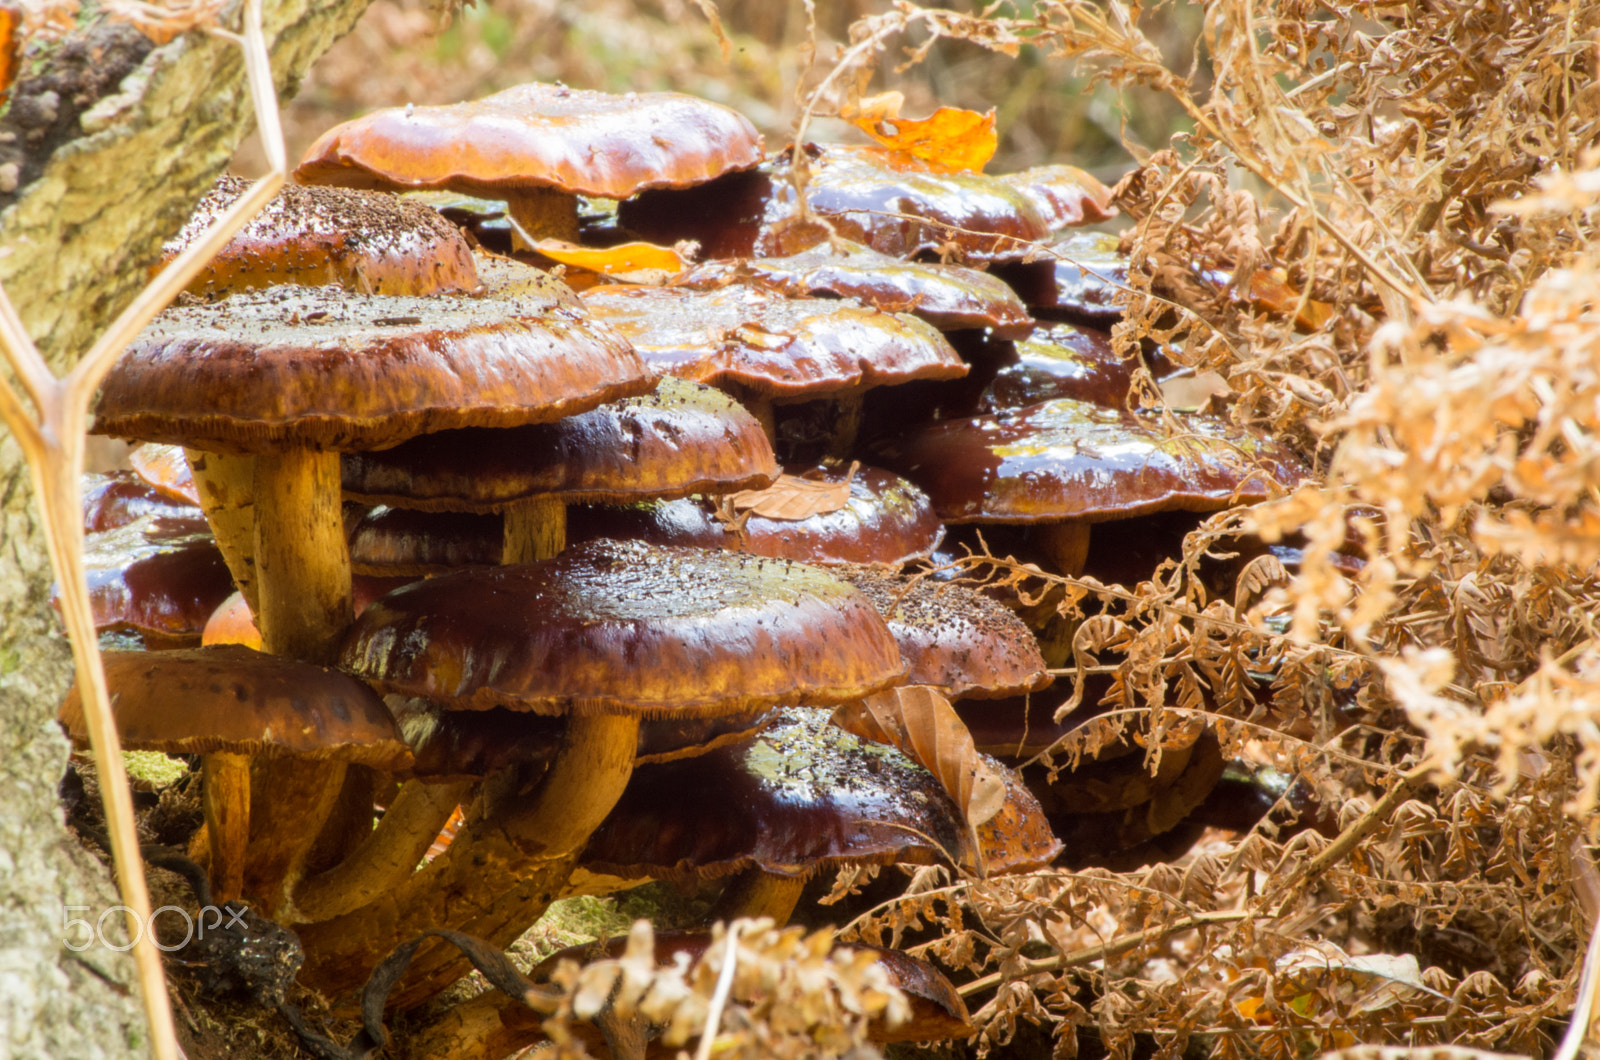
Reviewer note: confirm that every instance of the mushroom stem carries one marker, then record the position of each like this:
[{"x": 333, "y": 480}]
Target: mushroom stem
[
  {"x": 226, "y": 485},
  {"x": 543, "y": 213},
  {"x": 753, "y": 893},
  {"x": 290, "y": 799},
  {"x": 759, "y": 406},
  {"x": 1066, "y": 544},
  {"x": 387, "y": 857},
  {"x": 509, "y": 861},
  {"x": 536, "y": 529},
  {"x": 302, "y": 562},
  {"x": 349, "y": 823},
  {"x": 846, "y": 424},
  {"x": 226, "y": 796}
]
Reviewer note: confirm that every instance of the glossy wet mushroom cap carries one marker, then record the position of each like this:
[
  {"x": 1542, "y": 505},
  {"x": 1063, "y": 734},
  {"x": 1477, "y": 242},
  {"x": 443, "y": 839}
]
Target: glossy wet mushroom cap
[
  {"x": 785, "y": 349},
  {"x": 1077, "y": 279},
  {"x": 802, "y": 797},
  {"x": 363, "y": 241},
  {"x": 320, "y": 368},
  {"x": 887, "y": 200},
  {"x": 538, "y": 135},
  {"x": 1063, "y": 195},
  {"x": 1058, "y": 361},
  {"x": 230, "y": 698},
  {"x": 885, "y": 519},
  {"x": 1068, "y": 459},
  {"x": 949, "y": 297},
  {"x": 957, "y": 640},
  {"x": 116, "y": 498},
  {"x": 681, "y": 438},
  {"x": 627, "y": 628},
  {"x": 158, "y": 577}
]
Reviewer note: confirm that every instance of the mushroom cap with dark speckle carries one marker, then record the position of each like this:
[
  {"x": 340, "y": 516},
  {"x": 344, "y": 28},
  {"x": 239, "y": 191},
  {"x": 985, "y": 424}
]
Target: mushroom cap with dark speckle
[
  {"x": 949, "y": 297},
  {"x": 319, "y": 368},
  {"x": 538, "y": 135},
  {"x": 885, "y": 520},
  {"x": 681, "y": 438},
  {"x": 1068, "y": 459},
  {"x": 365, "y": 241},
  {"x": 803, "y": 796},
  {"x": 230, "y": 698},
  {"x": 787, "y": 349},
  {"x": 957, "y": 640},
  {"x": 627, "y": 628}
]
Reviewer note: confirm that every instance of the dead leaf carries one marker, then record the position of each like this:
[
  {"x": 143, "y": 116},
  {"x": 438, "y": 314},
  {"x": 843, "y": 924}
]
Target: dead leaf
[
  {"x": 919, "y": 721},
  {"x": 950, "y": 136},
  {"x": 612, "y": 261},
  {"x": 792, "y": 498}
]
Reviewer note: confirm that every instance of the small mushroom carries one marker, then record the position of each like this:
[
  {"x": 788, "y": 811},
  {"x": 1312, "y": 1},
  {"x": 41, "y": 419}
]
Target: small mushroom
[
  {"x": 117, "y": 498},
  {"x": 764, "y": 348},
  {"x": 363, "y": 241},
  {"x": 949, "y": 297},
  {"x": 801, "y": 797},
  {"x": 1076, "y": 279},
  {"x": 232, "y": 704},
  {"x": 1063, "y": 465},
  {"x": 158, "y": 576},
  {"x": 538, "y": 147}
]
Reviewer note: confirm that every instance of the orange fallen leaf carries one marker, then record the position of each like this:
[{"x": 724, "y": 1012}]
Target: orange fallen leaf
[
  {"x": 1272, "y": 290},
  {"x": 624, "y": 258},
  {"x": 10, "y": 42},
  {"x": 920, "y": 722},
  {"x": 793, "y": 498},
  {"x": 950, "y": 136}
]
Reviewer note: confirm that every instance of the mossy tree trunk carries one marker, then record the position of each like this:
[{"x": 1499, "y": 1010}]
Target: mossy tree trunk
[{"x": 118, "y": 161}]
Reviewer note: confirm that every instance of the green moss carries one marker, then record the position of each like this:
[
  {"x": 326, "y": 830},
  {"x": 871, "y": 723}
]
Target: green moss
[{"x": 153, "y": 768}]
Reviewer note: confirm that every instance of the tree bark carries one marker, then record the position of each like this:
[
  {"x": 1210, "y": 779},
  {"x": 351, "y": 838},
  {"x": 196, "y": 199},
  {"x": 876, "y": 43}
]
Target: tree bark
[{"x": 77, "y": 239}]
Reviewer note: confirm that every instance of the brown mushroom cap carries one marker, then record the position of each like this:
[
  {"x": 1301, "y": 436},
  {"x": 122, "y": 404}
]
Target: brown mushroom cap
[
  {"x": 1078, "y": 280},
  {"x": 160, "y": 577},
  {"x": 788, "y": 349},
  {"x": 166, "y": 469},
  {"x": 803, "y": 796},
  {"x": 1063, "y": 195},
  {"x": 947, "y": 296},
  {"x": 1059, "y": 361},
  {"x": 887, "y": 200},
  {"x": 627, "y": 628},
  {"x": 538, "y": 135},
  {"x": 681, "y": 438},
  {"x": 957, "y": 640},
  {"x": 232, "y": 699},
  {"x": 885, "y": 520},
  {"x": 320, "y": 368},
  {"x": 117, "y": 498},
  {"x": 1068, "y": 459},
  {"x": 364, "y": 241}
]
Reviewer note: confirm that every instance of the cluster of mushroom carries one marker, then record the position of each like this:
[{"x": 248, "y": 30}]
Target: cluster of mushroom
[{"x": 585, "y": 530}]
